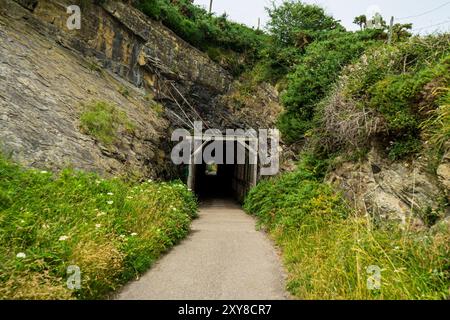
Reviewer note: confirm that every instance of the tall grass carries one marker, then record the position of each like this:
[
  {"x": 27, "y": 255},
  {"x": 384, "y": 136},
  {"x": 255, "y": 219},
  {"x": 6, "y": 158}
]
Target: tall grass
[
  {"x": 330, "y": 251},
  {"x": 110, "y": 229}
]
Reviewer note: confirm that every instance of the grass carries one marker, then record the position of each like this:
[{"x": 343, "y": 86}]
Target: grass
[
  {"x": 332, "y": 261},
  {"x": 104, "y": 121},
  {"x": 158, "y": 109},
  {"x": 110, "y": 229},
  {"x": 124, "y": 91},
  {"x": 436, "y": 130},
  {"x": 328, "y": 249}
]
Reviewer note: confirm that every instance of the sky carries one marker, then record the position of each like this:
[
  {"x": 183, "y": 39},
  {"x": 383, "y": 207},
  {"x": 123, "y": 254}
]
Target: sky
[{"x": 427, "y": 16}]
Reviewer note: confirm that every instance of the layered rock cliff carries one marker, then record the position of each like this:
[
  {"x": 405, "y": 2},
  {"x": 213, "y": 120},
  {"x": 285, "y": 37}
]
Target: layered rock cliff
[
  {"x": 43, "y": 87},
  {"x": 142, "y": 51},
  {"x": 48, "y": 74}
]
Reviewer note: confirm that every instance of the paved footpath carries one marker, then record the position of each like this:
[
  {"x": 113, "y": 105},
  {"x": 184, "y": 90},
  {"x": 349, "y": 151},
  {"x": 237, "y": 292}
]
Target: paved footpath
[{"x": 223, "y": 258}]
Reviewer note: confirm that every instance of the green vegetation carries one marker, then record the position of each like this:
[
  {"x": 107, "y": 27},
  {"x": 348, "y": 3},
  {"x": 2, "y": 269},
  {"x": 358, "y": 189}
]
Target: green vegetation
[
  {"x": 341, "y": 91},
  {"x": 305, "y": 52},
  {"x": 111, "y": 230},
  {"x": 404, "y": 84},
  {"x": 124, "y": 91},
  {"x": 437, "y": 127},
  {"x": 157, "y": 108},
  {"x": 103, "y": 122},
  {"x": 226, "y": 42},
  {"x": 317, "y": 70},
  {"x": 328, "y": 250},
  {"x": 290, "y": 21}
]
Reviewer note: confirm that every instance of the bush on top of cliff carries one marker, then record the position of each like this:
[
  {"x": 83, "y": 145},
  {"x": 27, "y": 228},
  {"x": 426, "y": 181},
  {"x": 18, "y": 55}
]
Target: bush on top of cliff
[
  {"x": 315, "y": 73},
  {"x": 292, "y": 27},
  {"x": 401, "y": 84},
  {"x": 110, "y": 229},
  {"x": 203, "y": 30},
  {"x": 291, "y": 21}
]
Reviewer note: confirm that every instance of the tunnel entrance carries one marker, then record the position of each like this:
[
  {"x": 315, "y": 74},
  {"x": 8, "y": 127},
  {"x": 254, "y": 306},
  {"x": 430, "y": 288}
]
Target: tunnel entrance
[{"x": 233, "y": 177}]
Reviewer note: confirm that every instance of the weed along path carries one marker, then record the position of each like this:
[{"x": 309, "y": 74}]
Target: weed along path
[{"x": 224, "y": 257}]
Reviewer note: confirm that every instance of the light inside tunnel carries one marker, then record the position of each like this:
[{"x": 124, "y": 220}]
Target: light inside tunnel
[{"x": 211, "y": 169}]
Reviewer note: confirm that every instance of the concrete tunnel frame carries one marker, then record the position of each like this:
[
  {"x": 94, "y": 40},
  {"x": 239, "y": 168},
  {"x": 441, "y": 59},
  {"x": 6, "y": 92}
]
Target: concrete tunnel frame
[{"x": 245, "y": 176}]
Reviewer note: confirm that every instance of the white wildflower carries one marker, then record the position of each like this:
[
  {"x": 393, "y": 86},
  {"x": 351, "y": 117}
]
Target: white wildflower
[
  {"x": 98, "y": 225},
  {"x": 122, "y": 236},
  {"x": 110, "y": 202},
  {"x": 63, "y": 238},
  {"x": 21, "y": 255},
  {"x": 110, "y": 194},
  {"x": 134, "y": 234}
]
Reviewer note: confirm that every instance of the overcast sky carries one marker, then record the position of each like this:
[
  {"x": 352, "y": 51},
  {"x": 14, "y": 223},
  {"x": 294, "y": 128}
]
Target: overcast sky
[{"x": 427, "y": 16}]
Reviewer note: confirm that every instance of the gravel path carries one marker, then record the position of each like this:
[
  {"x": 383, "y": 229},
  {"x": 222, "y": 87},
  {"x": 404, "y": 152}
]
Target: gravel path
[{"x": 223, "y": 258}]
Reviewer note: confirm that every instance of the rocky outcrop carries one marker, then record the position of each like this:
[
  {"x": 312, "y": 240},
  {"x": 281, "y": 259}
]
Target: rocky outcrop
[
  {"x": 400, "y": 191},
  {"x": 42, "y": 88},
  {"x": 119, "y": 56},
  {"x": 143, "y": 51}
]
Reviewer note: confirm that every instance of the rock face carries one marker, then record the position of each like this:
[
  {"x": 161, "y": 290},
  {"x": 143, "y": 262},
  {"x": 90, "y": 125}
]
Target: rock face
[
  {"x": 42, "y": 89},
  {"x": 256, "y": 107},
  {"x": 47, "y": 73},
  {"x": 150, "y": 56},
  {"x": 403, "y": 192}
]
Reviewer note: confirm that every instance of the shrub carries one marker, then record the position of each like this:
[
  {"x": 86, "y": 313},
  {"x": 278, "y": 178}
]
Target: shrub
[
  {"x": 404, "y": 147},
  {"x": 112, "y": 230},
  {"x": 394, "y": 90},
  {"x": 436, "y": 129},
  {"x": 314, "y": 76},
  {"x": 397, "y": 96},
  {"x": 203, "y": 30},
  {"x": 291, "y": 18},
  {"x": 439, "y": 123}
]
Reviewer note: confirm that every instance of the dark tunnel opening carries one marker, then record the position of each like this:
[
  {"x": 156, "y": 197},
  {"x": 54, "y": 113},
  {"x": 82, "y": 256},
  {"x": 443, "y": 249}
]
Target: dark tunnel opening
[
  {"x": 224, "y": 181},
  {"x": 214, "y": 183}
]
